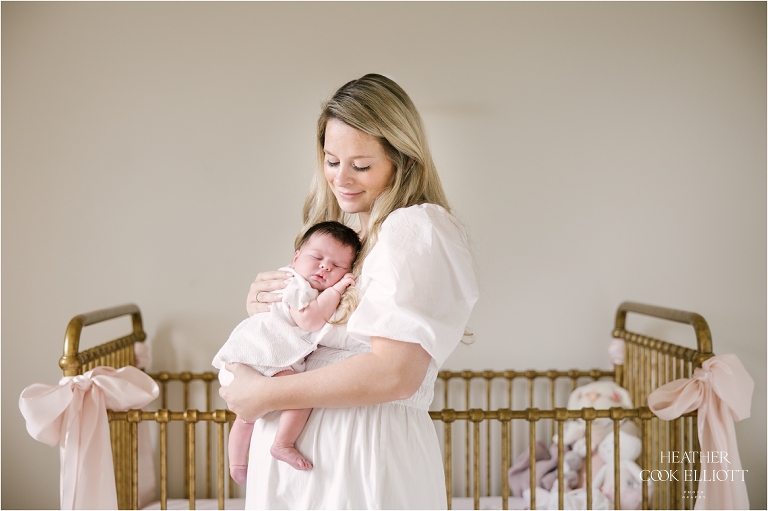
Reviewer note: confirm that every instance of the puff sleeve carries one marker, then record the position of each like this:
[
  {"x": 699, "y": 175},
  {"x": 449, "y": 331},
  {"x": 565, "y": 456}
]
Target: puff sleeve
[{"x": 417, "y": 283}]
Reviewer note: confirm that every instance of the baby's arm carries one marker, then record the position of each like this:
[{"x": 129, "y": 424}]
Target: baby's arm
[{"x": 312, "y": 317}]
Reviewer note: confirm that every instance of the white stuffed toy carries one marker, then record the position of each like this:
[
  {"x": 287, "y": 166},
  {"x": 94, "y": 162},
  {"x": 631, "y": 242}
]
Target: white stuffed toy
[
  {"x": 631, "y": 493},
  {"x": 600, "y": 395},
  {"x": 630, "y": 447}
]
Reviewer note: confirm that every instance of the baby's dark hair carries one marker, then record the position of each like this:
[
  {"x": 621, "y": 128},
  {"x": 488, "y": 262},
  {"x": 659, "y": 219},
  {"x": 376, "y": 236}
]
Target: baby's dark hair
[{"x": 338, "y": 231}]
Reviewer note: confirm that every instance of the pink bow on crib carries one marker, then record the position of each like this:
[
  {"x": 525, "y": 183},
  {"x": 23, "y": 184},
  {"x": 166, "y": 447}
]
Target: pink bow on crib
[
  {"x": 73, "y": 414},
  {"x": 721, "y": 390}
]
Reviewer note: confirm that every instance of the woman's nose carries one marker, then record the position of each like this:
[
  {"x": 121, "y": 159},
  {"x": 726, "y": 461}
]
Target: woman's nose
[{"x": 344, "y": 175}]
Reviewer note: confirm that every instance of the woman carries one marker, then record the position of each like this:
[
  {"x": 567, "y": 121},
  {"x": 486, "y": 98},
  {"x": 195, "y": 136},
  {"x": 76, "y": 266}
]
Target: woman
[{"x": 370, "y": 438}]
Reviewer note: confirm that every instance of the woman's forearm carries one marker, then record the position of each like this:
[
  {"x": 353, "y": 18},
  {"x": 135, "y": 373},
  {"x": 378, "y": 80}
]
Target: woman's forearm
[{"x": 392, "y": 370}]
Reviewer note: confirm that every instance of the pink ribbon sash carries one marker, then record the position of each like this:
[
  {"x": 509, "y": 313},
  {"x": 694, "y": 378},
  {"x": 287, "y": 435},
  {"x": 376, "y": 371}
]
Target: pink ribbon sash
[
  {"x": 73, "y": 414},
  {"x": 721, "y": 390}
]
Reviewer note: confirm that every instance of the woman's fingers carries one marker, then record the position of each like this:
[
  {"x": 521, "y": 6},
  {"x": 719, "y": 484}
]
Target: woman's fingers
[
  {"x": 264, "y": 297},
  {"x": 271, "y": 280},
  {"x": 260, "y": 293}
]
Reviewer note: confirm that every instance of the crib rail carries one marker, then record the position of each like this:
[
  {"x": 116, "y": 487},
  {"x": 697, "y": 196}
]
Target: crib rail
[
  {"x": 510, "y": 376},
  {"x": 117, "y": 353},
  {"x": 645, "y": 353},
  {"x": 699, "y": 324}
]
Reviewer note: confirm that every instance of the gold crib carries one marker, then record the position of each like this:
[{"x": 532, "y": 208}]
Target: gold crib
[{"x": 479, "y": 443}]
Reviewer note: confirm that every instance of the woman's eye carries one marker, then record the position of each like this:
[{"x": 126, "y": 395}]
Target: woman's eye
[
  {"x": 361, "y": 169},
  {"x": 332, "y": 163}
]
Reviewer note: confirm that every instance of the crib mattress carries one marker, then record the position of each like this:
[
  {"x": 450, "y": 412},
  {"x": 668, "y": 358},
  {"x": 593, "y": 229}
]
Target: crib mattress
[
  {"x": 176, "y": 504},
  {"x": 488, "y": 503}
]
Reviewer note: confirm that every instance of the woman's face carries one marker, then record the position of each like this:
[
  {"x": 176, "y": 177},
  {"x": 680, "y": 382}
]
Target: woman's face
[{"x": 356, "y": 167}]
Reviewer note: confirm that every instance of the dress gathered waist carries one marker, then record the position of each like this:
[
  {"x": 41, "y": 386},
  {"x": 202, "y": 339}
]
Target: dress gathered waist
[{"x": 421, "y": 400}]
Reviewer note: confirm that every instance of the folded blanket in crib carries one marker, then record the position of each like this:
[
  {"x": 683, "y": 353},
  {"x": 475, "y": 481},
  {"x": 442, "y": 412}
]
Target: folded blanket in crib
[{"x": 546, "y": 469}]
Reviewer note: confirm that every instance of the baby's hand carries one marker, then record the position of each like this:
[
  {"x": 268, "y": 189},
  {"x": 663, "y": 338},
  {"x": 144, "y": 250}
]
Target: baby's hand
[{"x": 346, "y": 281}]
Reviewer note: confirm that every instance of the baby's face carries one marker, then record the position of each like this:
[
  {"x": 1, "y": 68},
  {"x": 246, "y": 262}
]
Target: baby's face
[{"x": 323, "y": 261}]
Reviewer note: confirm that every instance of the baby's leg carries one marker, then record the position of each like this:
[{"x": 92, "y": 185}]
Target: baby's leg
[
  {"x": 239, "y": 442},
  {"x": 288, "y": 430}
]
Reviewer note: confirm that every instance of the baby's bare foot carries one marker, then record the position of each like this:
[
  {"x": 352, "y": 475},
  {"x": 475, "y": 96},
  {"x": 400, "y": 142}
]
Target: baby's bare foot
[
  {"x": 239, "y": 473},
  {"x": 289, "y": 454}
]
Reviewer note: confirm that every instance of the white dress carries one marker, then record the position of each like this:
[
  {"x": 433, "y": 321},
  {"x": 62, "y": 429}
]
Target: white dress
[
  {"x": 271, "y": 342},
  {"x": 417, "y": 285}
]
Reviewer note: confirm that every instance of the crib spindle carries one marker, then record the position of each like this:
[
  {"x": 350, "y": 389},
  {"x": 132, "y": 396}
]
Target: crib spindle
[
  {"x": 162, "y": 417},
  {"x": 561, "y": 415},
  {"x": 476, "y": 418},
  {"x": 220, "y": 418},
  {"x": 467, "y": 376},
  {"x": 616, "y": 414},
  {"x": 508, "y": 446},
  {"x": 532, "y": 416},
  {"x": 190, "y": 417},
  {"x": 645, "y": 434},
  {"x": 505, "y": 416},
  {"x": 134, "y": 417},
  {"x": 589, "y": 416},
  {"x": 208, "y": 443},
  {"x": 448, "y": 461},
  {"x": 488, "y": 375}
]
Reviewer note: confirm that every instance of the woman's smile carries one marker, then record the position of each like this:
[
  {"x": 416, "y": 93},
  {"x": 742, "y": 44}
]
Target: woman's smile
[{"x": 348, "y": 195}]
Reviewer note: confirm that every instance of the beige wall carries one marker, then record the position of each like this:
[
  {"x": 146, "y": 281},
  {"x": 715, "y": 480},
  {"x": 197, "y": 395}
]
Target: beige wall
[{"x": 158, "y": 153}]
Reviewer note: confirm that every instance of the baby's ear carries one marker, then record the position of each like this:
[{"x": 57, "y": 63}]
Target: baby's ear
[{"x": 295, "y": 256}]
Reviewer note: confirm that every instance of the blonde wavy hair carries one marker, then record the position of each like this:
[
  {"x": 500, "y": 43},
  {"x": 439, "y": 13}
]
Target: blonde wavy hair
[{"x": 378, "y": 106}]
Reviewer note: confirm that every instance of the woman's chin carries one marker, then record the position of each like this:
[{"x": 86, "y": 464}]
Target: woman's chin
[{"x": 350, "y": 206}]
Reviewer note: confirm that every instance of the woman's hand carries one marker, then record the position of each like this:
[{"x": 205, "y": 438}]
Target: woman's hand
[
  {"x": 243, "y": 395},
  {"x": 260, "y": 295}
]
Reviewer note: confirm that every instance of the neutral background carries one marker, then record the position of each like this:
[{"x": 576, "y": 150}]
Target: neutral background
[{"x": 159, "y": 153}]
